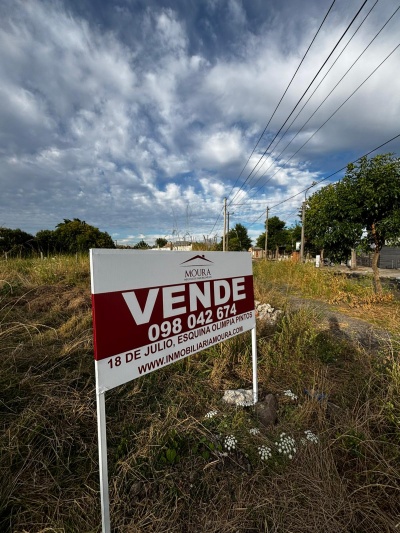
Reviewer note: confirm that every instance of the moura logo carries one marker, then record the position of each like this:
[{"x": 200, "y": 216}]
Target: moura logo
[
  {"x": 197, "y": 267},
  {"x": 197, "y": 273}
]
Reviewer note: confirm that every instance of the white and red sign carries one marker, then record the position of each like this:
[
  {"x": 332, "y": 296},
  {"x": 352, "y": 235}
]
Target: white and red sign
[{"x": 153, "y": 308}]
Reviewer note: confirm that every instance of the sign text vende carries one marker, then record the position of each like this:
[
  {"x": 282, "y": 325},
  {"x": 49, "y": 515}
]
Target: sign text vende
[{"x": 130, "y": 319}]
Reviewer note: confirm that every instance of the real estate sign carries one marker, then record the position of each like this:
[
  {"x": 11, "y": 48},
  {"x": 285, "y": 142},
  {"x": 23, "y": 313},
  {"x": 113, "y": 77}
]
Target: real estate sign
[{"x": 153, "y": 308}]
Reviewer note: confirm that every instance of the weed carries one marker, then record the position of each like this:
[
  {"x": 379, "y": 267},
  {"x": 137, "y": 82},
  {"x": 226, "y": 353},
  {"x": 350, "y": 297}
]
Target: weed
[{"x": 180, "y": 459}]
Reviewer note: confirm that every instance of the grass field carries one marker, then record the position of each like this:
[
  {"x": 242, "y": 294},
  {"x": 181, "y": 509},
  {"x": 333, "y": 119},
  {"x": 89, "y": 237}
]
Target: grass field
[{"x": 179, "y": 459}]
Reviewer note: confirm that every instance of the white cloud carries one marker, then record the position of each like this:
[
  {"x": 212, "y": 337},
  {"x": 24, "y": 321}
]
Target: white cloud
[
  {"x": 220, "y": 148},
  {"x": 130, "y": 126}
]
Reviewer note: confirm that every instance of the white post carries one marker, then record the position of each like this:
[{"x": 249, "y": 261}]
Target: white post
[
  {"x": 102, "y": 437},
  {"x": 254, "y": 358}
]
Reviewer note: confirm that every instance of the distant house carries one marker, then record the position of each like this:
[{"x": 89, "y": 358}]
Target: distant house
[
  {"x": 256, "y": 252},
  {"x": 182, "y": 246},
  {"x": 389, "y": 258},
  {"x": 166, "y": 248}
]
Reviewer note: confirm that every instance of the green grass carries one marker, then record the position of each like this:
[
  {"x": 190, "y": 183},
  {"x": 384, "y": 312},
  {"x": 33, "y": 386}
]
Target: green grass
[
  {"x": 325, "y": 284},
  {"x": 169, "y": 468},
  {"x": 354, "y": 295}
]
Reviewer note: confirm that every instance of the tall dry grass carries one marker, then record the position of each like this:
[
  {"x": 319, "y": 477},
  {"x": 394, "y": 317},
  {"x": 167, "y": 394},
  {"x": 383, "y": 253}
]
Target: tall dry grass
[
  {"x": 169, "y": 468},
  {"x": 352, "y": 294}
]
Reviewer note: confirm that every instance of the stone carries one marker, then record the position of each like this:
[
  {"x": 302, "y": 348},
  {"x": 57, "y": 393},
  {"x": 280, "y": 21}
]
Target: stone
[
  {"x": 266, "y": 312},
  {"x": 241, "y": 397},
  {"x": 267, "y": 410}
]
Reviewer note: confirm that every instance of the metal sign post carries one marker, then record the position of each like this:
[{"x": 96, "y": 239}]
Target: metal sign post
[
  {"x": 102, "y": 438},
  {"x": 254, "y": 360}
]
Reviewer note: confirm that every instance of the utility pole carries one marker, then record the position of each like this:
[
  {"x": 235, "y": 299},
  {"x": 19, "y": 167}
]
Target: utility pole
[
  {"x": 303, "y": 218},
  {"x": 266, "y": 234},
  {"x": 227, "y": 231},
  {"x": 224, "y": 235}
]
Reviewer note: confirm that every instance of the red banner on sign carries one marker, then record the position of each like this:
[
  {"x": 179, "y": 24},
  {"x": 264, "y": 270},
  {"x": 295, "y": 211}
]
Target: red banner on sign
[{"x": 126, "y": 320}]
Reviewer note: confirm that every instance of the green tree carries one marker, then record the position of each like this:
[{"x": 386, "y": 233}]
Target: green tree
[
  {"x": 15, "y": 241},
  {"x": 371, "y": 189},
  {"x": 141, "y": 245},
  {"x": 77, "y": 236},
  {"x": 46, "y": 241},
  {"x": 278, "y": 235},
  {"x": 260, "y": 242},
  {"x": 328, "y": 226},
  {"x": 238, "y": 239},
  {"x": 294, "y": 236},
  {"x": 161, "y": 242}
]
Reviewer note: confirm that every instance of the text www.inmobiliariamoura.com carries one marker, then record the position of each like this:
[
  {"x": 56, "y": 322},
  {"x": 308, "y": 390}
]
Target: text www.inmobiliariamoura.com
[{"x": 193, "y": 348}]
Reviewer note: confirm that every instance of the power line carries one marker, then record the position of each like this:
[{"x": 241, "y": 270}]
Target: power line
[
  {"x": 326, "y": 177},
  {"x": 302, "y": 96},
  {"x": 338, "y": 108},
  {"x": 341, "y": 79},
  {"x": 341, "y": 105},
  {"x": 262, "y": 134},
  {"x": 216, "y": 222},
  {"x": 312, "y": 94},
  {"x": 337, "y": 171},
  {"x": 286, "y": 90}
]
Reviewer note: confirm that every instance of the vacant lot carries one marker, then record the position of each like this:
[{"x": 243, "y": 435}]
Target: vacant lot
[{"x": 179, "y": 459}]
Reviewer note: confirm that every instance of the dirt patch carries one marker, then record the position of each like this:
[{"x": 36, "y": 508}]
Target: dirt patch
[{"x": 342, "y": 325}]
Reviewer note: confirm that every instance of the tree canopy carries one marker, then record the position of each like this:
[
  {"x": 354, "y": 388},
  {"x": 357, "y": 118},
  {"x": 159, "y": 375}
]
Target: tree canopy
[
  {"x": 238, "y": 239},
  {"x": 78, "y": 236},
  {"x": 277, "y": 234},
  {"x": 362, "y": 209},
  {"x": 327, "y": 224},
  {"x": 372, "y": 188},
  {"x": 16, "y": 241},
  {"x": 141, "y": 245},
  {"x": 161, "y": 242},
  {"x": 70, "y": 236}
]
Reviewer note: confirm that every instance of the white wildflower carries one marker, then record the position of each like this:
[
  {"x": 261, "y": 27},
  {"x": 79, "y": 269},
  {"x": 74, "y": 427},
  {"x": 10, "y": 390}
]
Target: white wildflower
[
  {"x": 254, "y": 431},
  {"x": 290, "y": 394},
  {"x": 211, "y": 414},
  {"x": 244, "y": 404},
  {"x": 265, "y": 452},
  {"x": 230, "y": 442},
  {"x": 286, "y": 445},
  {"x": 311, "y": 437}
]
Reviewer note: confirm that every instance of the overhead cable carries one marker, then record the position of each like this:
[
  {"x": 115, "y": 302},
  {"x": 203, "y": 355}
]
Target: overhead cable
[
  {"x": 326, "y": 177},
  {"x": 337, "y": 171},
  {"x": 302, "y": 96},
  {"x": 286, "y": 90},
  {"x": 324, "y": 100},
  {"x": 312, "y": 94}
]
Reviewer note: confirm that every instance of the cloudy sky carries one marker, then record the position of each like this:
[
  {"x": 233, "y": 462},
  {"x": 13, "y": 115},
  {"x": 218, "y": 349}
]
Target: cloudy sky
[{"x": 139, "y": 116}]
